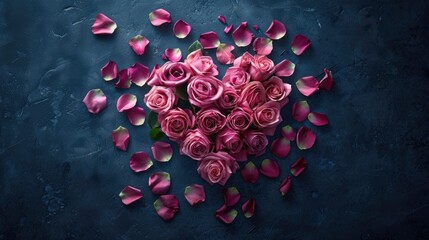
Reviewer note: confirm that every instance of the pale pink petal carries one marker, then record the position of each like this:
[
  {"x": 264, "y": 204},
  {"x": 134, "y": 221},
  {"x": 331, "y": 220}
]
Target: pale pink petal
[
  {"x": 138, "y": 74},
  {"x": 280, "y": 147},
  {"x": 161, "y": 151},
  {"x": 95, "y": 101},
  {"x": 109, "y": 71},
  {"x": 125, "y": 102},
  {"x": 263, "y": 46},
  {"x": 270, "y": 168},
  {"x": 327, "y": 81},
  {"x": 224, "y": 54},
  {"x": 285, "y": 68},
  {"x": 166, "y": 206},
  {"x": 226, "y": 214},
  {"x": 248, "y": 208},
  {"x": 121, "y": 138},
  {"x": 159, "y": 183},
  {"x": 231, "y": 196},
  {"x": 103, "y": 25},
  {"x": 256, "y": 27},
  {"x": 153, "y": 79},
  {"x": 300, "y": 43},
  {"x": 318, "y": 119},
  {"x": 305, "y": 138},
  {"x": 130, "y": 194},
  {"x": 195, "y": 194},
  {"x": 124, "y": 79},
  {"x": 307, "y": 85},
  {"x": 209, "y": 40},
  {"x": 285, "y": 185},
  {"x": 298, "y": 167},
  {"x": 140, "y": 162},
  {"x": 288, "y": 132},
  {"x": 221, "y": 19},
  {"x": 242, "y": 36},
  {"x": 250, "y": 173},
  {"x": 228, "y": 29},
  {"x": 136, "y": 116},
  {"x": 174, "y": 54},
  {"x": 181, "y": 29},
  {"x": 138, "y": 44},
  {"x": 300, "y": 111},
  {"x": 276, "y": 30},
  {"x": 159, "y": 17}
]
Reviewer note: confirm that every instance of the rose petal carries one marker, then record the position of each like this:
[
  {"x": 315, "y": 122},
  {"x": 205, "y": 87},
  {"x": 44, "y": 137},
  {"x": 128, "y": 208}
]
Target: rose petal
[
  {"x": 181, "y": 29},
  {"x": 285, "y": 186},
  {"x": 161, "y": 151},
  {"x": 280, "y": 147},
  {"x": 140, "y": 162},
  {"x": 159, "y": 17},
  {"x": 263, "y": 46},
  {"x": 276, "y": 30},
  {"x": 195, "y": 194},
  {"x": 327, "y": 81},
  {"x": 298, "y": 167},
  {"x": 318, "y": 119},
  {"x": 226, "y": 214},
  {"x": 231, "y": 196},
  {"x": 174, "y": 54},
  {"x": 125, "y": 102},
  {"x": 224, "y": 54},
  {"x": 241, "y": 156},
  {"x": 300, "y": 43},
  {"x": 136, "y": 116},
  {"x": 307, "y": 85},
  {"x": 228, "y": 29},
  {"x": 242, "y": 36},
  {"x": 138, "y": 74},
  {"x": 209, "y": 40},
  {"x": 221, "y": 19},
  {"x": 138, "y": 44},
  {"x": 270, "y": 168},
  {"x": 250, "y": 173},
  {"x": 285, "y": 68},
  {"x": 164, "y": 57},
  {"x": 121, "y": 138},
  {"x": 124, "y": 79},
  {"x": 288, "y": 132},
  {"x": 159, "y": 183},
  {"x": 300, "y": 111},
  {"x": 95, "y": 101},
  {"x": 256, "y": 27},
  {"x": 130, "y": 194},
  {"x": 103, "y": 25},
  {"x": 249, "y": 208},
  {"x": 166, "y": 206},
  {"x": 109, "y": 71},
  {"x": 305, "y": 138}
]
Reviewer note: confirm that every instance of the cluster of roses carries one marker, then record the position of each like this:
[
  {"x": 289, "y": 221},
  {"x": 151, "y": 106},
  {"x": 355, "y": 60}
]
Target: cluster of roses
[{"x": 228, "y": 119}]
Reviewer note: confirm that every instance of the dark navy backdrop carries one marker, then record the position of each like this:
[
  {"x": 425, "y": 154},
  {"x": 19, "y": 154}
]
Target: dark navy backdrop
[{"x": 368, "y": 174}]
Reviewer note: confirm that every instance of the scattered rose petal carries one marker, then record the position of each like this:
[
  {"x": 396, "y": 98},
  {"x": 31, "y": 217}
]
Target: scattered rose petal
[
  {"x": 263, "y": 46},
  {"x": 140, "y": 162},
  {"x": 181, "y": 29},
  {"x": 136, "y": 116},
  {"x": 164, "y": 57},
  {"x": 95, "y": 101},
  {"x": 250, "y": 173},
  {"x": 138, "y": 44},
  {"x": 138, "y": 74},
  {"x": 300, "y": 43},
  {"x": 209, "y": 40},
  {"x": 307, "y": 85},
  {"x": 256, "y": 27},
  {"x": 125, "y": 102},
  {"x": 249, "y": 208},
  {"x": 270, "y": 168},
  {"x": 159, "y": 183},
  {"x": 300, "y": 111},
  {"x": 166, "y": 206},
  {"x": 285, "y": 186},
  {"x": 161, "y": 151},
  {"x": 276, "y": 30},
  {"x": 130, "y": 194},
  {"x": 224, "y": 54},
  {"x": 221, "y": 19},
  {"x": 174, "y": 54},
  {"x": 109, "y": 71},
  {"x": 327, "y": 81},
  {"x": 103, "y": 25},
  {"x": 121, "y": 138},
  {"x": 231, "y": 196},
  {"x": 318, "y": 119},
  {"x": 280, "y": 147},
  {"x": 298, "y": 167},
  {"x": 228, "y": 29},
  {"x": 159, "y": 17},
  {"x": 195, "y": 194},
  {"x": 242, "y": 36},
  {"x": 226, "y": 214},
  {"x": 285, "y": 68},
  {"x": 305, "y": 138},
  {"x": 124, "y": 79},
  {"x": 288, "y": 132}
]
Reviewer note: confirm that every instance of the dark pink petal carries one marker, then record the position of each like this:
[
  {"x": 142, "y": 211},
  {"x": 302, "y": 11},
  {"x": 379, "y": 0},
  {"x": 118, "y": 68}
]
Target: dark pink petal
[
  {"x": 288, "y": 132},
  {"x": 298, "y": 167},
  {"x": 159, "y": 17},
  {"x": 195, "y": 194},
  {"x": 226, "y": 214},
  {"x": 221, "y": 19},
  {"x": 103, "y": 25},
  {"x": 95, "y": 101},
  {"x": 231, "y": 196},
  {"x": 285, "y": 68},
  {"x": 159, "y": 183},
  {"x": 174, "y": 54},
  {"x": 228, "y": 29},
  {"x": 166, "y": 206},
  {"x": 241, "y": 156},
  {"x": 164, "y": 57},
  {"x": 121, "y": 138},
  {"x": 280, "y": 147},
  {"x": 138, "y": 74},
  {"x": 249, "y": 208},
  {"x": 124, "y": 79},
  {"x": 136, "y": 116},
  {"x": 250, "y": 173},
  {"x": 109, "y": 71},
  {"x": 125, "y": 102},
  {"x": 270, "y": 168},
  {"x": 276, "y": 30},
  {"x": 161, "y": 151},
  {"x": 307, "y": 85},
  {"x": 130, "y": 194},
  {"x": 138, "y": 44},
  {"x": 300, "y": 111},
  {"x": 209, "y": 40},
  {"x": 285, "y": 185},
  {"x": 242, "y": 36},
  {"x": 140, "y": 162},
  {"x": 263, "y": 46},
  {"x": 305, "y": 138},
  {"x": 318, "y": 119},
  {"x": 224, "y": 54},
  {"x": 300, "y": 43},
  {"x": 181, "y": 29},
  {"x": 256, "y": 27},
  {"x": 327, "y": 81}
]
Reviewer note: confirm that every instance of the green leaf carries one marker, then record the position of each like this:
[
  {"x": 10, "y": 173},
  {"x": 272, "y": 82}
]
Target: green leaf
[
  {"x": 156, "y": 134},
  {"x": 195, "y": 46},
  {"x": 152, "y": 120},
  {"x": 182, "y": 91}
]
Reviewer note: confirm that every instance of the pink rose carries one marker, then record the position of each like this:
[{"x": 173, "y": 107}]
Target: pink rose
[
  {"x": 277, "y": 91},
  {"x": 261, "y": 68},
  {"x": 244, "y": 61},
  {"x": 256, "y": 142},
  {"x": 196, "y": 145},
  {"x": 217, "y": 167},
  {"x": 201, "y": 65},
  {"x": 254, "y": 94},
  {"x": 230, "y": 140},
  {"x": 160, "y": 99},
  {"x": 204, "y": 90},
  {"x": 171, "y": 74},
  {"x": 236, "y": 77},
  {"x": 267, "y": 115},
  {"x": 210, "y": 120},
  {"x": 176, "y": 122},
  {"x": 240, "y": 118},
  {"x": 228, "y": 100}
]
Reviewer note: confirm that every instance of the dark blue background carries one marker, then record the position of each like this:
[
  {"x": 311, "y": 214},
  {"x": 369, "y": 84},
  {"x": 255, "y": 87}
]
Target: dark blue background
[{"x": 368, "y": 174}]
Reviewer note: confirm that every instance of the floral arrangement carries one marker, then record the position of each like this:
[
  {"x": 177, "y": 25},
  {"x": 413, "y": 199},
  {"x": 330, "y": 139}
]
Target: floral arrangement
[{"x": 216, "y": 121}]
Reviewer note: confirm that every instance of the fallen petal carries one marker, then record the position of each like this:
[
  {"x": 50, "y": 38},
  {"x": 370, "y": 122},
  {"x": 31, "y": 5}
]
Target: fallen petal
[
  {"x": 280, "y": 147},
  {"x": 228, "y": 29},
  {"x": 125, "y": 102},
  {"x": 300, "y": 111},
  {"x": 140, "y": 162},
  {"x": 109, "y": 71},
  {"x": 159, "y": 17},
  {"x": 250, "y": 173},
  {"x": 166, "y": 206},
  {"x": 285, "y": 185},
  {"x": 226, "y": 214},
  {"x": 305, "y": 138},
  {"x": 307, "y": 85},
  {"x": 224, "y": 54},
  {"x": 195, "y": 194},
  {"x": 256, "y": 27},
  {"x": 136, "y": 116},
  {"x": 263, "y": 46},
  {"x": 174, "y": 54},
  {"x": 159, "y": 183},
  {"x": 209, "y": 40},
  {"x": 242, "y": 36},
  {"x": 124, "y": 79},
  {"x": 121, "y": 137},
  {"x": 181, "y": 29},
  {"x": 288, "y": 132},
  {"x": 138, "y": 44},
  {"x": 164, "y": 57},
  {"x": 300, "y": 43},
  {"x": 161, "y": 151},
  {"x": 249, "y": 208},
  {"x": 130, "y": 194},
  {"x": 318, "y": 119},
  {"x": 231, "y": 196},
  {"x": 270, "y": 168},
  {"x": 276, "y": 30},
  {"x": 221, "y": 19},
  {"x": 285, "y": 68},
  {"x": 95, "y": 101},
  {"x": 138, "y": 74},
  {"x": 103, "y": 25},
  {"x": 327, "y": 81},
  {"x": 298, "y": 167}
]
